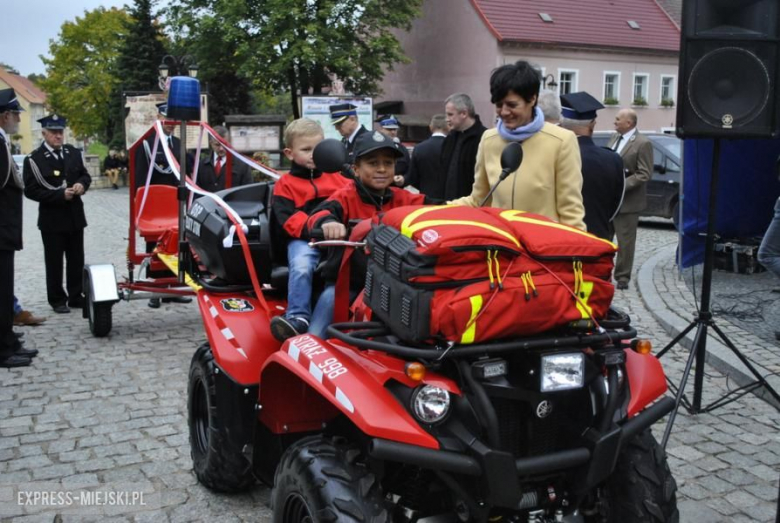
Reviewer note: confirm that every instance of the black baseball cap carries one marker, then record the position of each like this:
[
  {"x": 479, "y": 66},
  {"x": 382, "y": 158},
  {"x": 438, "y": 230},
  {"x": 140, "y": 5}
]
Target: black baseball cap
[{"x": 369, "y": 142}]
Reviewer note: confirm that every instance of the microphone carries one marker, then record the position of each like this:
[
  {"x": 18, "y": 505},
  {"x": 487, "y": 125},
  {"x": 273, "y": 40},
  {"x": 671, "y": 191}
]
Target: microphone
[{"x": 511, "y": 158}]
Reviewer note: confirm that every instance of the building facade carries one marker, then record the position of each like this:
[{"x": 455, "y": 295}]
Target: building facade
[
  {"x": 33, "y": 100},
  {"x": 623, "y": 53}
]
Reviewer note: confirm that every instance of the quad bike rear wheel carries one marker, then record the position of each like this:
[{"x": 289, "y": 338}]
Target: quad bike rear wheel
[
  {"x": 219, "y": 463},
  {"x": 641, "y": 489},
  {"x": 323, "y": 479}
]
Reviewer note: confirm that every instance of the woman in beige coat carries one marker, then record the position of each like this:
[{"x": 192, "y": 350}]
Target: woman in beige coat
[{"x": 549, "y": 181}]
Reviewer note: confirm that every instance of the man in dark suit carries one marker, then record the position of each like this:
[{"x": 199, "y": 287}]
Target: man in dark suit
[
  {"x": 162, "y": 173},
  {"x": 637, "y": 153},
  {"x": 12, "y": 354},
  {"x": 344, "y": 118},
  {"x": 602, "y": 168},
  {"x": 55, "y": 176},
  {"x": 425, "y": 172},
  {"x": 212, "y": 173},
  {"x": 459, "y": 152}
]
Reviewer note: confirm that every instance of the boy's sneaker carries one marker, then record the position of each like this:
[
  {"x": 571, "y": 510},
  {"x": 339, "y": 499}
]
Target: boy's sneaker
[{"x": 283, "y": 328}]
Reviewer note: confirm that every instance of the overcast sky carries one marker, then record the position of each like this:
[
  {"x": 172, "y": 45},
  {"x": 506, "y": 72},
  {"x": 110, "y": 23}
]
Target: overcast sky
[{"x": 28, "y": 25}]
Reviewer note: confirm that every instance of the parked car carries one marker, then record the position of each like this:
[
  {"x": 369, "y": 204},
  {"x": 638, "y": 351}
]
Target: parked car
[
  {"x": 663, "y": 189},
  {"x": 19, "y": 161}
]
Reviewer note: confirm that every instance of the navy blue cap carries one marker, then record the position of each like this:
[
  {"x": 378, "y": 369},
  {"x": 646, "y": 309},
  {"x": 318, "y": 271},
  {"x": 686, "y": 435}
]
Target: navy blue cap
[
  {"x": 8, "y": 101},
  {"x": 389, "y": 122},
  {"x": 340, "y": 112},
  {"x": 369, "y": 142},
  {"x": 579, "y": 106},
  {"x": 162, "y": 108},
  {"x": 53, "y": 122}
]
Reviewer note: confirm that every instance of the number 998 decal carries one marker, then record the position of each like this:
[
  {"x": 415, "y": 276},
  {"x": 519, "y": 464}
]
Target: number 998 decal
[{"x": 332, "y": 368}]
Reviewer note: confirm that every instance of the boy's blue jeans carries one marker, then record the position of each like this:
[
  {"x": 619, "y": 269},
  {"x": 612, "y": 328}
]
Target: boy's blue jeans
[
  {"x": 769, "y": 252},
  {"x": 323, "y": 312},
  {"x": 301, "y": 262}
]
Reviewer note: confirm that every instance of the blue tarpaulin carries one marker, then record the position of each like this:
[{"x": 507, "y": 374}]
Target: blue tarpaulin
[{"x": 747, "y": 190}]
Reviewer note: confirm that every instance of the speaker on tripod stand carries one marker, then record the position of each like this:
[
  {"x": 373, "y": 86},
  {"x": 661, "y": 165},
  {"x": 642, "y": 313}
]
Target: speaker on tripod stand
[{"x": 728, "y": 89}]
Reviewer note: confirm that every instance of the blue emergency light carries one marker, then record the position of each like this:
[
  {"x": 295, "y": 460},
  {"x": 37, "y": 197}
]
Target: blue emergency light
[{"x": 184, "y": 99}]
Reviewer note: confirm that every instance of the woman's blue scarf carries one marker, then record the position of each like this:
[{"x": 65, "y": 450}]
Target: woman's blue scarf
[{"x": 522, "y": 133}]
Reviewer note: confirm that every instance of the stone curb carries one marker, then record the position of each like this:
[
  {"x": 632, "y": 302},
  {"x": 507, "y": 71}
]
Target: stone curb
[{"x": 673, "y": 322}]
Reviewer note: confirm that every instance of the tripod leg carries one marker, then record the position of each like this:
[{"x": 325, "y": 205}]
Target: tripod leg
[
  {"x": 676, "y": 339},
  {"x": 681, "y": 388},
  {"x": 746, "y": 362}
]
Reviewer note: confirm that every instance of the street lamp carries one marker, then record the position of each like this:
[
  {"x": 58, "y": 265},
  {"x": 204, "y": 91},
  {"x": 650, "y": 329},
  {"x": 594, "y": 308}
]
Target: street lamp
[
  {"x": 178, "y": 64},
  {"x": 549, "y": 80}
]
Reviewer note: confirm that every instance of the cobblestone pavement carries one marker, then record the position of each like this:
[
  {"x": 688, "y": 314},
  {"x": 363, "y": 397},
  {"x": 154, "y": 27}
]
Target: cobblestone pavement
[{"x": 98, "y": 413}]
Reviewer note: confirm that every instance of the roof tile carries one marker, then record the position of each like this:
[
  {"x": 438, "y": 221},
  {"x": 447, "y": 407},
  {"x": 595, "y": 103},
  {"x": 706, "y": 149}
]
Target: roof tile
[{"x": 602, "y": 23}]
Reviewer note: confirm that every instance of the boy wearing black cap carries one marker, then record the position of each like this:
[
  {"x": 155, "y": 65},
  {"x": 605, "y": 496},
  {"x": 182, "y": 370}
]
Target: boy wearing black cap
[
  {"x": 371, "y": 192},
  {"x": 602, "y": 168},
  {"x": 55, "y": 176}
]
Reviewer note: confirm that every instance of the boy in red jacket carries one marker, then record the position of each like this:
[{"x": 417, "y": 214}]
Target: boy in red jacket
[
  {"x": 368, "y": 194},
  {"x": 296, "y": 194}
]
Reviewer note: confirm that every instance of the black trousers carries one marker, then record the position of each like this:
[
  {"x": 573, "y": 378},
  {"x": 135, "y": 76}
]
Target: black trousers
[
  {"x": 55, "y": 245},
  {"x": 7, "y": 338}
]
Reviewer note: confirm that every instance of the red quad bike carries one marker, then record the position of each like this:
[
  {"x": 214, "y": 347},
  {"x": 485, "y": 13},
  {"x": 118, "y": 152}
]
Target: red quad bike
[{"x": 366, "y": 427}]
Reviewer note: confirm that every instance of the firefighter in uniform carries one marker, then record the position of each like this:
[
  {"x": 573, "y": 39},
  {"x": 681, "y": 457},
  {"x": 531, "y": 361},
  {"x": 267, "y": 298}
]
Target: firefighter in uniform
[
  {"x": 12, "y": 354},
  {"x": 56, "y": 178}
]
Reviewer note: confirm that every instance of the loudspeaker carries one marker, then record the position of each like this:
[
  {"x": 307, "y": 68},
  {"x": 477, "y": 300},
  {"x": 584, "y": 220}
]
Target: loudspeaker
[{"x": 729, "y": 53}]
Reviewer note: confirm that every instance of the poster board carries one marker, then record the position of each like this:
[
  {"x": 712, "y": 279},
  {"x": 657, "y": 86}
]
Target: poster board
[
  {"x": 251, "y": 138},
  {"x": 317, "y": 108},
  {"x": 143, "y": 113}
]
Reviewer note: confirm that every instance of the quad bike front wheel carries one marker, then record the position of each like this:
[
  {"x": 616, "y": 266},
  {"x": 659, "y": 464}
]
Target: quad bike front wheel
[
  {"x": 641, "y": 489},
  {"x": 219, "y": 463},
  {"x": 324, "y": 480}
]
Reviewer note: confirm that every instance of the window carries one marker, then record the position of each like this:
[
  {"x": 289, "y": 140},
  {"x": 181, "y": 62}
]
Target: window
[
  {"x": 611, "y": 88},
  {"x": 667, "y": 91},
  {"x": 640, "y": 89},
  {"x": 567, "y": 82}
]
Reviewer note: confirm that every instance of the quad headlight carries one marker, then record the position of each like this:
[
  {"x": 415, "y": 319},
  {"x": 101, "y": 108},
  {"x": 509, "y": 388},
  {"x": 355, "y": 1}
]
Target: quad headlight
[
  {"x": 563, "y": 371},
  {"x": 430, "y": 404}
]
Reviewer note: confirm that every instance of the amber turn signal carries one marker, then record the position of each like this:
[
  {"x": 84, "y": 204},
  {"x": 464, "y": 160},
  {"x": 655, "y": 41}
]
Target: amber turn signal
[
  {"x": 415, "y": 371},
  {"x": 643, "y": 346}
]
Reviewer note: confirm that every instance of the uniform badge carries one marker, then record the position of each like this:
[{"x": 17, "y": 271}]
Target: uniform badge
[
  {"x": 378, "y": 137},
  {"x": 56, "y": 173},
  {"x": 236, "y": 305}
]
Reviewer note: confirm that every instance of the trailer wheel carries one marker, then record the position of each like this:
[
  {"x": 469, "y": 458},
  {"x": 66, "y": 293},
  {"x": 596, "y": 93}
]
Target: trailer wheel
[
  {"x": 325, "y": 480},
  {"x": 219, "y": 464},
  {"x": 99, "y": 314}
]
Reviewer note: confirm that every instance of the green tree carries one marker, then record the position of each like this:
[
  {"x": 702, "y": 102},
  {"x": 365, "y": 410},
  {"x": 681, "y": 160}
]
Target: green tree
[
  {"x": 36, "y": 78},
  {"x": 292, "y": 45},
  {"x": 141, "y": 49},
  {"x": 228, "y": 92},
  {"x": 80, "y": 70}
]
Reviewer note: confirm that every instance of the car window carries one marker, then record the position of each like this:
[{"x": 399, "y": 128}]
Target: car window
[
  {"x": 671, "y": 143},
  {"x": 658, "y": 156},
  {"x": 671, "y": 165}
]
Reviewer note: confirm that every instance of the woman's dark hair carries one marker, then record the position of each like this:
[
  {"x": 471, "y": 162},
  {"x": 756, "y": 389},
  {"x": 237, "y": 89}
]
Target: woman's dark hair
[{"x": 520, "y": 77}]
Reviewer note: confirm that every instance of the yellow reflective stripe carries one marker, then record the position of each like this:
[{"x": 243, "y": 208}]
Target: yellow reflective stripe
[
  {"x": 434, "y": 223},
  {"x": 582, "y": 303},
  {"x": 471, "y": 331},
  {"x": 512, "y": 216},
  {"x": 413, "y": 215}
]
